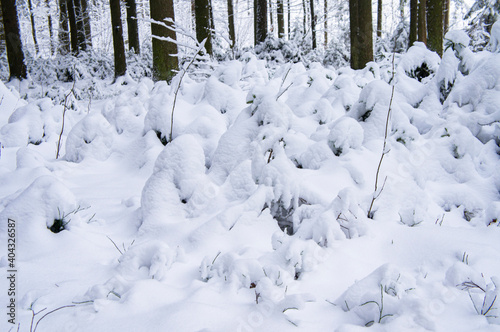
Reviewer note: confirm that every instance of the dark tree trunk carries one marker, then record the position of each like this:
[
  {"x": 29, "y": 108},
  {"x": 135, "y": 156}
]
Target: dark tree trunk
[
  {"x": 304, "y": 23},
  {"x": 260, "y": 21},
  {"x": 15, "y": 55},
  {"x": 326, "y": 24},
  {"x": 51, "y": 31},
  {"x": 164, "y": 51},
  {"x": 435, "y": 26},
  {"x": 289, "y": 19},
  {"x": 230, "y": 20},
  {"x": 422, "y": 21},
  {"x": 413, "y": 22},
  {"x": 281, "y": 20},
  {"x": 118, "y": 44},
  {"x": 80, "y": 26},
  {"x": 33, "y": 29},
  {"x": 360, "y": 12},
  {"x": 203, "y": 31},
  {"x": 2, "y": 33},
  {"x": 446, "y": 14},
  {"x": 271, "y": 23},
  {"x": 86, "y": 24},
  {"x": 132, "y": 27},
  {"x": 72, "y": 24},
  {"x": 379, "y": 18},
  {"x": 313, "y": 24}
]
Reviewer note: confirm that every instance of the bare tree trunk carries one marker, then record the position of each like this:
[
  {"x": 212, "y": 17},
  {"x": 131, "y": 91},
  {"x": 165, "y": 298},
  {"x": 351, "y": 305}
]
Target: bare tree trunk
[
  {"x": 413, "y": 22},
  {"x": 446, "y": 13},
  {"x": 64, "y": 46},
  {"x": 15, "y": 55},
  {"x": 379, "y": 18},
  {"x": 304, "y": 7},
  {"x": 313, "y": 24},
  {"x": 281, "y": 19},
  {"x": 271, "y": 23},
  {"x": 422, "y": 21},
  {"x": 203, "y": 31},
  {"x": 230, "y": 20},
  {"x": 289, "y": 19},
  {"x": 435, "y": 26},
  {"x": 326, "y": 24},
  {"x": 260, "y": 21},
  {"x": 118, "y": 44},
  {"x": 33, "y": 29},
  {"x": 2, "y": 33},
  {"x": 360, "y": 12},
  {"x": 72, "y": 25},
  {"x": 165, "y": 60},
  {"x": 86, "y": 24},
  {"x": 132, "y": 27},
  {"x": 49, "y": 23}
]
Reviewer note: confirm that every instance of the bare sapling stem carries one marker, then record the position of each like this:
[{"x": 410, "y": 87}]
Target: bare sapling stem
[
  {"x": 184, "y": 70},
  {"x": 376, "y": 192}
]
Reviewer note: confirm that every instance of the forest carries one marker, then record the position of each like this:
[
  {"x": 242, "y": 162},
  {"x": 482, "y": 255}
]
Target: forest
[{"x": 238, "y": 165}]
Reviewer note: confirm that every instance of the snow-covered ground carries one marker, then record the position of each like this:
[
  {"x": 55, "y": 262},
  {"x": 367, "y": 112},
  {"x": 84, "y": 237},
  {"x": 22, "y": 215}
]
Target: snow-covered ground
[{"x": 254, "y": 217}]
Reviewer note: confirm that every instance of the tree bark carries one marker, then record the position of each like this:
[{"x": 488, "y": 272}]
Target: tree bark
[
  {"x": 132, "y": 27},
  {"x": 64, "y": 46},
  {"x": 326, "y": 24},
  {"x": 289, "y": 19},
  {"x": 230, "y": 20},
  {"x": 86, "y": 24},
  {"x": 260, "y": 21},
  {"x": 379, "y": 18},
  {"x": 72, "y": 25},
  {"x": 435, "y": 26},
  {"x": 271, "y": 23},
  {"x": 313, "y": 24},
  {"x": 15, "y": 55},
  {"x": 33, "y": 29},
  {"x": 360, "y": 12},
  {"x": 413, "y": 22},
  {"x": 80, "y": 26},
  {"x": 281, "y": 19},
  {"x": 164, "y": 40},
  {"x": 51, "y": 31},
  {"x": 422, "y": 21},
  {"x": 118, "y": 44},
  {"x": 304, "y": 8},
  {"x": 2, "y": 32},
  {"x": 446, "y": 19},
  {"x": 203, "y": 31}
]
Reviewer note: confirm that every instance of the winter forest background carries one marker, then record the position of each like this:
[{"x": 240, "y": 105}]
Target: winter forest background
[{"x": 236, "y": 165}]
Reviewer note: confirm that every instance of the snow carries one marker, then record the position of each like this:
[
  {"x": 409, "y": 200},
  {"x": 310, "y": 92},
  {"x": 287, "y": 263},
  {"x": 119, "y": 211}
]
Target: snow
[{"x": 254, "y": 217}]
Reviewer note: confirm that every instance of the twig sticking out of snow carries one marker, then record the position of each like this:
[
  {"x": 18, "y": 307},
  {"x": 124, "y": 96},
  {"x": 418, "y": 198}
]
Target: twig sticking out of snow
[
  {"x": 72, "y": 91},
  {"x": 376, "y": 194},
  {"x": 200, "y": 48}
]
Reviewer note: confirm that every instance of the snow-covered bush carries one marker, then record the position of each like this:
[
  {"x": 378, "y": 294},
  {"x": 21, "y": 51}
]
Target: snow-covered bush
[{"x": 92, "y": 137}]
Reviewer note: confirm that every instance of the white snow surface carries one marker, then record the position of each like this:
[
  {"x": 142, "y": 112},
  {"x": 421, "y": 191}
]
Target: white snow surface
[{"x": 255, "y": 216}]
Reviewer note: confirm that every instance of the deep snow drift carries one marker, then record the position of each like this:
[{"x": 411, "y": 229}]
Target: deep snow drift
[{"x": 254, "y": 218}]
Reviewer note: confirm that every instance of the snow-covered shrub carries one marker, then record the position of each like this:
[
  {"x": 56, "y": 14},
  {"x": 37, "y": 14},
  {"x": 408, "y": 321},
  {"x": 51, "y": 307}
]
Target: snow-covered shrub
[
  {"x": 92, "y": 137},
  {"x": 419, "y": 62},
  {"x": 379, "y": 297},
  {"x": 25, "y": 127},
  {"x": 46, "y": 205},
  {"x": 346, "y": 134},
  {"x": 156, "y": 256}
]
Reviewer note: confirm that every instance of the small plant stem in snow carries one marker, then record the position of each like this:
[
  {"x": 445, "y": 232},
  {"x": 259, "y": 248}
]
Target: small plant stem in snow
[
  {"x": 384, "y": 152},
  {"x": 200, "y": 48},
  {"x": 72, "y": 91}
]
